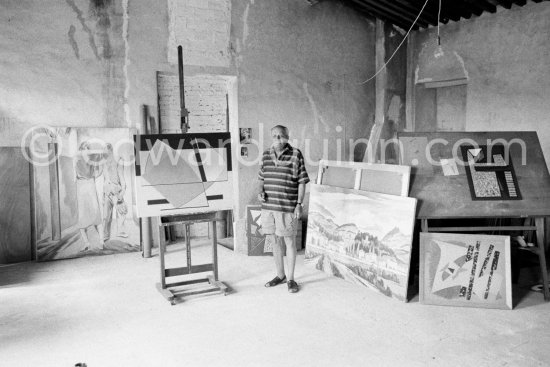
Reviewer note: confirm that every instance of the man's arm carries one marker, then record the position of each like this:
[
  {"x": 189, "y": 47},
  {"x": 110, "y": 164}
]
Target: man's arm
[
  {"x": 260, "y": 190},
  {"x": 301, "y": 194}
]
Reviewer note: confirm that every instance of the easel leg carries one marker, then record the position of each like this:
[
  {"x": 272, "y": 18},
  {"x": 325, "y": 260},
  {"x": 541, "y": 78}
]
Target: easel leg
[
  {"x": 214, "y": 251},
  {"x": 161, "y": 257},
  {"x": 539, "y": 223},
  {"x": 188, "y": 246}
]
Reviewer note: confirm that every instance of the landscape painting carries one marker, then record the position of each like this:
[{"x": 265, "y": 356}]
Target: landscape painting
[
  {"x": 465, "y": 270},
  {"x": 363, "y": 237},
  {"x": 179, "y": 174},
  {"x": 83, "y": 192}
]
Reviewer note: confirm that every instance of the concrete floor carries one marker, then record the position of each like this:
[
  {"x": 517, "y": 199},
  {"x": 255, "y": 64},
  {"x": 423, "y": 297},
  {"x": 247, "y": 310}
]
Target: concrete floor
[{"x": 105, "y": 311}]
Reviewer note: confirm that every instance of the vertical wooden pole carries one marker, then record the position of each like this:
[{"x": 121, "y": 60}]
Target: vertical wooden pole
[
  {"x": 215, "y": 250},
  {"x": 161, "y": 256},
  {"x": 188, "y": 246}
]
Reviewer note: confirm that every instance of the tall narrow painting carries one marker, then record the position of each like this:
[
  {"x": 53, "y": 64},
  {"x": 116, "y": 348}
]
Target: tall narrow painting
[
  {"x": 183, "y": 174},
  {"x": 363, "y": 237},
  {"x": 83, "y": 185},
  {"x": 465, "y": 270},
  {"x": 15, "y": 206}
]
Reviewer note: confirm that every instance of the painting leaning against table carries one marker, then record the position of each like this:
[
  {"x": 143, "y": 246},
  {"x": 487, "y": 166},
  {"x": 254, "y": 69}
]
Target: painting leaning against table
[
  {"x": 363, "y": 237},
  {"x": 465, "y": 270}
]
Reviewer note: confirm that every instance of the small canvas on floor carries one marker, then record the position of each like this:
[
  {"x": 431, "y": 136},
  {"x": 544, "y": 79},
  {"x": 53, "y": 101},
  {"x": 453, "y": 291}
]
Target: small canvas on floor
[{"x": 465, "y": 270}]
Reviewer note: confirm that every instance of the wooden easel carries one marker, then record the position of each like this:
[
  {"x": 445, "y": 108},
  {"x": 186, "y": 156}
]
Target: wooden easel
[{"x": 168, "y": 290}]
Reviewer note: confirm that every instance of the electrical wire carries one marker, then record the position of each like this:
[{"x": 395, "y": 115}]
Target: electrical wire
[
  {"x": 402, "y": 41},
  {"x": 438, "y": 17}
]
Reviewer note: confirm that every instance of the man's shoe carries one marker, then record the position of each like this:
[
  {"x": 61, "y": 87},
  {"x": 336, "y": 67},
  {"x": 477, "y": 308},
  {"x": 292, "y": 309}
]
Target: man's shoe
[
  {"x": 292, "y": 286},
  {"x": 275, "y": 281}
]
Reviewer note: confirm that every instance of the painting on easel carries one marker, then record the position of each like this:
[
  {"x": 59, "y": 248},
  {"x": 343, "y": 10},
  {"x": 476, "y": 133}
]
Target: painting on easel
[
  {"x": 465, "y": 270},
  {"x": 83, "y": 188},
  {"x": 179, "y": 174}
]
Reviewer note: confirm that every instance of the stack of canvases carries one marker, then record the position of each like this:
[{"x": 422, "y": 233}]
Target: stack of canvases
[
  {"x": 361, "y": 224},
  {"x": 80, "y": 181}
]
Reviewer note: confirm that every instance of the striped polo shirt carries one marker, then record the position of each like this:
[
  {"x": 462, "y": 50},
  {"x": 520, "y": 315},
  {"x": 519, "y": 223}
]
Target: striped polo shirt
[{"x": 281, "y": 178}]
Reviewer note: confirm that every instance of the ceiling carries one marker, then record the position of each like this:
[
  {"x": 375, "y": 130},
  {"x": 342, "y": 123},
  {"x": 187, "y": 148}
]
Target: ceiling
[{"x": 402, "y": 13}]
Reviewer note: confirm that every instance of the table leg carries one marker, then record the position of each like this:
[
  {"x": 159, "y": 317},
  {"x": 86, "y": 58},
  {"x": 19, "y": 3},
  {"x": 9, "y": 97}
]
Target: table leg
[{"x": 539, "y": 223}]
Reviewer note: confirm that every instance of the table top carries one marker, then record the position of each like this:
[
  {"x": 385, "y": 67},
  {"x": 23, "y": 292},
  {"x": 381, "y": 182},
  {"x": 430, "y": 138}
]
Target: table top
[{"x": 441, "y": 196}]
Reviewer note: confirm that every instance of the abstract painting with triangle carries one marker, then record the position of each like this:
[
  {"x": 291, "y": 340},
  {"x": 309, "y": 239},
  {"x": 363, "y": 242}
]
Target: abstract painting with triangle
[
  {"x": 183, "y": 173},
  {"x": 465, "y": 270}
]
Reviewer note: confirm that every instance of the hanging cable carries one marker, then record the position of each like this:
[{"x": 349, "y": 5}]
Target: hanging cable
[
  {"x": 438, "y": 17},
  {"x": 404, "y": 38}
]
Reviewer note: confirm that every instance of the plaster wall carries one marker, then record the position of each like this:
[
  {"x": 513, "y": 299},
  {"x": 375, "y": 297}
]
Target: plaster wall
[
  {"x": 301, "y": 66},
  {"x": 507, "y": 59},
  {"x": 93, "y": 63},
  {"x": 62, "y": 64}
]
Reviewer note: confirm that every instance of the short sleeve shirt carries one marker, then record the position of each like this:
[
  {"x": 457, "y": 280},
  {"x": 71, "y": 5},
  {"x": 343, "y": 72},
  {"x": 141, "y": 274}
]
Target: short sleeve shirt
[{"x": 282, "y": 175}]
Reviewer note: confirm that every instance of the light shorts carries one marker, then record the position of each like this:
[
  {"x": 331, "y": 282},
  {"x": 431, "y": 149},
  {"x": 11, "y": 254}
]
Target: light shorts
[{"x": 279, "y": 223}]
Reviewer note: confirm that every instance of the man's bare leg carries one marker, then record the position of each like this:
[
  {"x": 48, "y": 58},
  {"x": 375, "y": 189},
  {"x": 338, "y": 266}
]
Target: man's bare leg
[
  {"x": 277, "y": 253},
  {"x": 290, "y": 242}
]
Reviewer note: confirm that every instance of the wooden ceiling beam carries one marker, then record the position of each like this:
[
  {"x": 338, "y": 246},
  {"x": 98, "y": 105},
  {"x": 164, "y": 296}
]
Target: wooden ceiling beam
[
  {"x": 520, "y": 2},
  {"x": 454, "y": 11},
  {"x": 432, "y": 6},
  {"x": 357, "y": 4},
  {"x": 427, "y": 16},
  {"x": 505, "y": 3},
  {"x": 395, "y": 11},
  {"x": 482, "y": 5}
]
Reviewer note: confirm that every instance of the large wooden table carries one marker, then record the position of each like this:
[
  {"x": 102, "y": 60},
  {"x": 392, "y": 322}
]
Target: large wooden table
[{"x": 448, "y": 197}]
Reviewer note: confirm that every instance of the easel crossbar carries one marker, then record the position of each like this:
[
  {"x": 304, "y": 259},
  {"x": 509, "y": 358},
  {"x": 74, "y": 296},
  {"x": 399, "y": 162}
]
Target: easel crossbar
[{"x": 185, "y": 270}]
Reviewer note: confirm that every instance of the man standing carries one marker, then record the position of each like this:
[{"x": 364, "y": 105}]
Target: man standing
[{"x": 282, "y": 185}]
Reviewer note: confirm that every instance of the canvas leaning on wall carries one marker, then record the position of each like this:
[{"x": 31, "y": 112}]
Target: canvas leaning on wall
[
  {"x": 83, "y": 192},
  {"x": 465, "y": 270},
  {"x": 363, "y": 237}
]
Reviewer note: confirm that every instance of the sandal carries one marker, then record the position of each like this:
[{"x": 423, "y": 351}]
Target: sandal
[
  {"x": 292, "y": 286},
  {"x": 275, "y": 281}
]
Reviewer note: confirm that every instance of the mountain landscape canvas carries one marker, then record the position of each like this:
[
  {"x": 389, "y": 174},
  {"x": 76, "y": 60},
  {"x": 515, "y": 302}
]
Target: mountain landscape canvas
[{"x": 363, "y": 237}]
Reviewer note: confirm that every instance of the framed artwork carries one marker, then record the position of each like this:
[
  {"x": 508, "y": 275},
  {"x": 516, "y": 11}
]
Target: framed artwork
[
  {"x": 183, "y": 174},
  {"x": 83, "y": 192},
  {"x": 257, "y": 245},
  {"x": 490, "y": 172},
  {"x": 465, "y": 270},
  {"x": 381, "y": 178},
  {"x": 245, "y": 134},
  {"x": 363, "y": 237}
]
